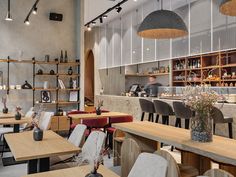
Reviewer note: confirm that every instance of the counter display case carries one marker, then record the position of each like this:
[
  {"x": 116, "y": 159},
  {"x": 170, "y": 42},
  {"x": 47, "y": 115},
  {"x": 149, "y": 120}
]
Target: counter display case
[{"x": 176, "y": 93}]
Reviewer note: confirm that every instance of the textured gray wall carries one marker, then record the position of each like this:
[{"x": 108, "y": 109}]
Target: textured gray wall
[{"x": 40, "y": 38}]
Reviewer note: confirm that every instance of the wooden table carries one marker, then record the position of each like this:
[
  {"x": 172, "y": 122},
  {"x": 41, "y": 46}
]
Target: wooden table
[
  {"x": 221, "y": 150},
  {"x": 8, "y": 115},
  {"x": 78, "y": 171},
  {"x": 37, "y": 153},
  {"x": 79, "y": 117},
  {"x": 16, "y": 123}
]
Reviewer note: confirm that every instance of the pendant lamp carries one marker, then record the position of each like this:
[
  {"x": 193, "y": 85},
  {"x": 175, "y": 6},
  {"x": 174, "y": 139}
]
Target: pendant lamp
[
  {"x": 162, "y": 24},
  {"x": 9, "y": 17},
  {"x": 228, "y": 7}
]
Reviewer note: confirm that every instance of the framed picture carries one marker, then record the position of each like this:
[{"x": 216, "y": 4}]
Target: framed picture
[
  {"x": 46, "y": 97},
  {"x": 73, "y": 96}
]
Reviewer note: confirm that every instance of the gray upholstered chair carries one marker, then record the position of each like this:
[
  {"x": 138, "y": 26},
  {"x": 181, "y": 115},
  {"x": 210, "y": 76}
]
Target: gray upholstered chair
[
  {"x": 147, "y": 107},
  {"x": 219, "y": 118},
  {"x": 217, "y": 173},
  {"x": 164, "y": 109},
  {"x": 182, "y": 112}
]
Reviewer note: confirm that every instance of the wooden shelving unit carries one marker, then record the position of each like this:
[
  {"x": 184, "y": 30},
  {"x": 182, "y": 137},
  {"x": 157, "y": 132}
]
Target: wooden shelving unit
[{"x": 205, "y": 69}]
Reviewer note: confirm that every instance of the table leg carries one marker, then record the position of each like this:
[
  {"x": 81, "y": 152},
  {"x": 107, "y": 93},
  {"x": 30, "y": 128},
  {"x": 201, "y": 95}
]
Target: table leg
[
  {"x": 16, "y": 128},
  {"x": 32, "y": 166},
  {"x": 200, "y": 162},
  {"x": 44, "y": 164},
  {"x": 229, "y": 168}
]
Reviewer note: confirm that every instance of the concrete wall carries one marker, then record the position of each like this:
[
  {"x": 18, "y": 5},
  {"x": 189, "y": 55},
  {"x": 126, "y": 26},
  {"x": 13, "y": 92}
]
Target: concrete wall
[{"x": 40, "y": 38}]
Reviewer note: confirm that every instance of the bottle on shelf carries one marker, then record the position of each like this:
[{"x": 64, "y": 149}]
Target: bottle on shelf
[
  {"x": 61, "y": 57},
  {"x": 66, "y": 57},
  {"x": 71, "y": 83}
]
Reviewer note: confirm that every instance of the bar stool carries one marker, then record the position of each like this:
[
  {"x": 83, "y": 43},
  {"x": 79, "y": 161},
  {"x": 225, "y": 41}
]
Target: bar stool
[
  {"x": 164, "y": 109},
  {"x": 147, "y": 107},
  {"x": 182, "y": 112},
  {"x": 219, "y": 118}
]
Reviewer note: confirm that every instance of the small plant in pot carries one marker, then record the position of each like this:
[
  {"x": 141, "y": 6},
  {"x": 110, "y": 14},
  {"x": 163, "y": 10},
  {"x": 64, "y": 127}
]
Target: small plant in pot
[
  {"x": 98, "y": 108},
  {"x": 18, "y": 114},
  {"x": 5, "y": 109}
]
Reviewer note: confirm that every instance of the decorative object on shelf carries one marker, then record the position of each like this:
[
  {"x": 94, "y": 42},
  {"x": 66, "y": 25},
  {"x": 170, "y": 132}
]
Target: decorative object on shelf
[
  {"x": 40, "y": 72},
  {"x": 18, "y": 87},
  {"x": 1, "y": 78},
  {"x": 70, "y": 71},
  {"x": 227, "y": 7},
  {"x": 201, "y": 100},
  {"x": 61, "y": 57},
  {"x": 74, "y": 84},
  {"x": 73, "y": 96},
  {"x": 62, "y": 85},
  {"x": 71, "y": 83},
  {"x": 45, "y": 85},
  {"x": 18, "y": 114},
  {"x": 77, "y": 61},
  {"x": 12, "y": 87},
  {"x": 60, "y": 112},
  {"x": 37, "y": 132},
  {"x": 66, "y": 57},
  {"x": 98, "y": 108},
  {"x": 45, "y": 96},
  {"x": 56, "y": 59},
  {"x": 5, "y": 109},
  {"x": 162, "y": 24},
  {"x": 52, "y": 72},
  {"x": 26, "y": 85},
  {"x": 47, "y": 58}
]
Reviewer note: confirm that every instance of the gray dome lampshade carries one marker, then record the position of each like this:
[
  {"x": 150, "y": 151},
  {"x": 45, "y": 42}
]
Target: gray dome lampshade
[
  {"x": 162, "y": 24},
  {"x": 228, "y": 7}
]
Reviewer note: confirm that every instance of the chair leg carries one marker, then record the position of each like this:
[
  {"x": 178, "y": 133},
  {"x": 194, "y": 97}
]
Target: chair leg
[
  {"x": 178, "y": 122},
  {"x": 186, "y": 123},
  {"x": 157, "y": 118},
  {"x": 143, "y": 113},
  {"x": 214, "y": 128},
  {"x": 165, "y": 120},
  {"x": 230, "y": 130},
  {"x": 152, "y": 117},
  {"x": 149, "y": 117}
]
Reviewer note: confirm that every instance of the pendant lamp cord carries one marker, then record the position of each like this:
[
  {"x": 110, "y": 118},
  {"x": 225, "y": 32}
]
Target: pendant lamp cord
[
  {"x": 161, "y": 3},
  {"x": 9, "y": 4}
]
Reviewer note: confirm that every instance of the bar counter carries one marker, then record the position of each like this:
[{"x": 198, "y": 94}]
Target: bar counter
[{"x": 130, "y": 105}]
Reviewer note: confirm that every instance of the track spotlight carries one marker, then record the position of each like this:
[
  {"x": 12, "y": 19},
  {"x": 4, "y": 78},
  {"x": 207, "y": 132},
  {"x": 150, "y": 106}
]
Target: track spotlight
[
  {"x": 27, "y": 22},
  {"x": 101, "y": 20},
  {"x": 89, "y": 28},
  {"x": 118, "y": 9},
  {"x": 105, "y": 16},
  {"x": 93, "y": 23},
  {"x": 9, "y": 17},
  {"x": 35, "y": 10}
]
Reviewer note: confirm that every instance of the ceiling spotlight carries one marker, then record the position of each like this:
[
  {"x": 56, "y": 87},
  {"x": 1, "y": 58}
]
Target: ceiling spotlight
[
  {"x": 105, "y": 16},
  {"x": 27, "y": 22},
  {"x": 9, "y": 17},
  {"x": 101, "y": 20},
  {"x": 89, "y": 28},
  {"x": 118, "y": 9},
  {"x": 93, "y": 23},
  {"x": 35, "y": 10}
]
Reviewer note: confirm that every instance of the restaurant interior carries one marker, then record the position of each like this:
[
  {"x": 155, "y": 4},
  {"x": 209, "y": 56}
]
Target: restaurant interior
[{"x": 118, "y": 88}]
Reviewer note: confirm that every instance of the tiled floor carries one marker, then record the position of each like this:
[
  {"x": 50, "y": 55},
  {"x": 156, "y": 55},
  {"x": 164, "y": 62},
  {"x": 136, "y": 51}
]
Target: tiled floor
[{"x": 21, "y": 170}]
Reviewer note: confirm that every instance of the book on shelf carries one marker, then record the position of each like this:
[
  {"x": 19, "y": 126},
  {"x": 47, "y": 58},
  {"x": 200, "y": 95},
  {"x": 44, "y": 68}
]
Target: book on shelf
[{"x": 62, "y": 85}]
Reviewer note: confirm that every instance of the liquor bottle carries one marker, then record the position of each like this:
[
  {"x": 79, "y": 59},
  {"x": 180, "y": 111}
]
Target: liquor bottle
[
  {"x": 61, "y": 57},
  {"x": 66, "y": 57},
  {"x": 71, "y": 83}
]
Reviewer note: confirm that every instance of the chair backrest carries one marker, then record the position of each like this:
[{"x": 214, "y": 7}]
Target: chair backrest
[
  {"x": 95, "y": 122},
  {"x": 77, "y": 112},
  {"x": 121, "y": 119},
  {"x": 77, "y": 135},
  {"x": 217, "y": 173},
  {"x": 146, "y": 105},
  {"x": 163, "y": 108},
  {"x": 45, "y": 120},
  {"x": 181, "y": 110},
  {"x": 130, "y": 151},
  {"x": 217, "y": 115},
  {"x": 93, "y": 146},
  {"x": 149, "y": 165},
  {"x": 172, "y": 169}
]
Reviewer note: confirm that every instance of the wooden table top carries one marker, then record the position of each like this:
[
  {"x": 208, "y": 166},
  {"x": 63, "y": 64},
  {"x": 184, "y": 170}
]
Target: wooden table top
[
  {"x": 94, "y": 115},
  {"x": 12, "y": 121},
  {"x": 23, "y": 146},
  {"x": 221, "y": 149},
  {"x": 75, "y": 171},
  {"x": 8, "y": 115}
]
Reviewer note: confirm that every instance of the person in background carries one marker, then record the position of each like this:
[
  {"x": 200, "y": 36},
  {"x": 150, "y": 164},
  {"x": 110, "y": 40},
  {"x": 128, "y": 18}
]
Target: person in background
[{"x": 151, "y": 88}]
